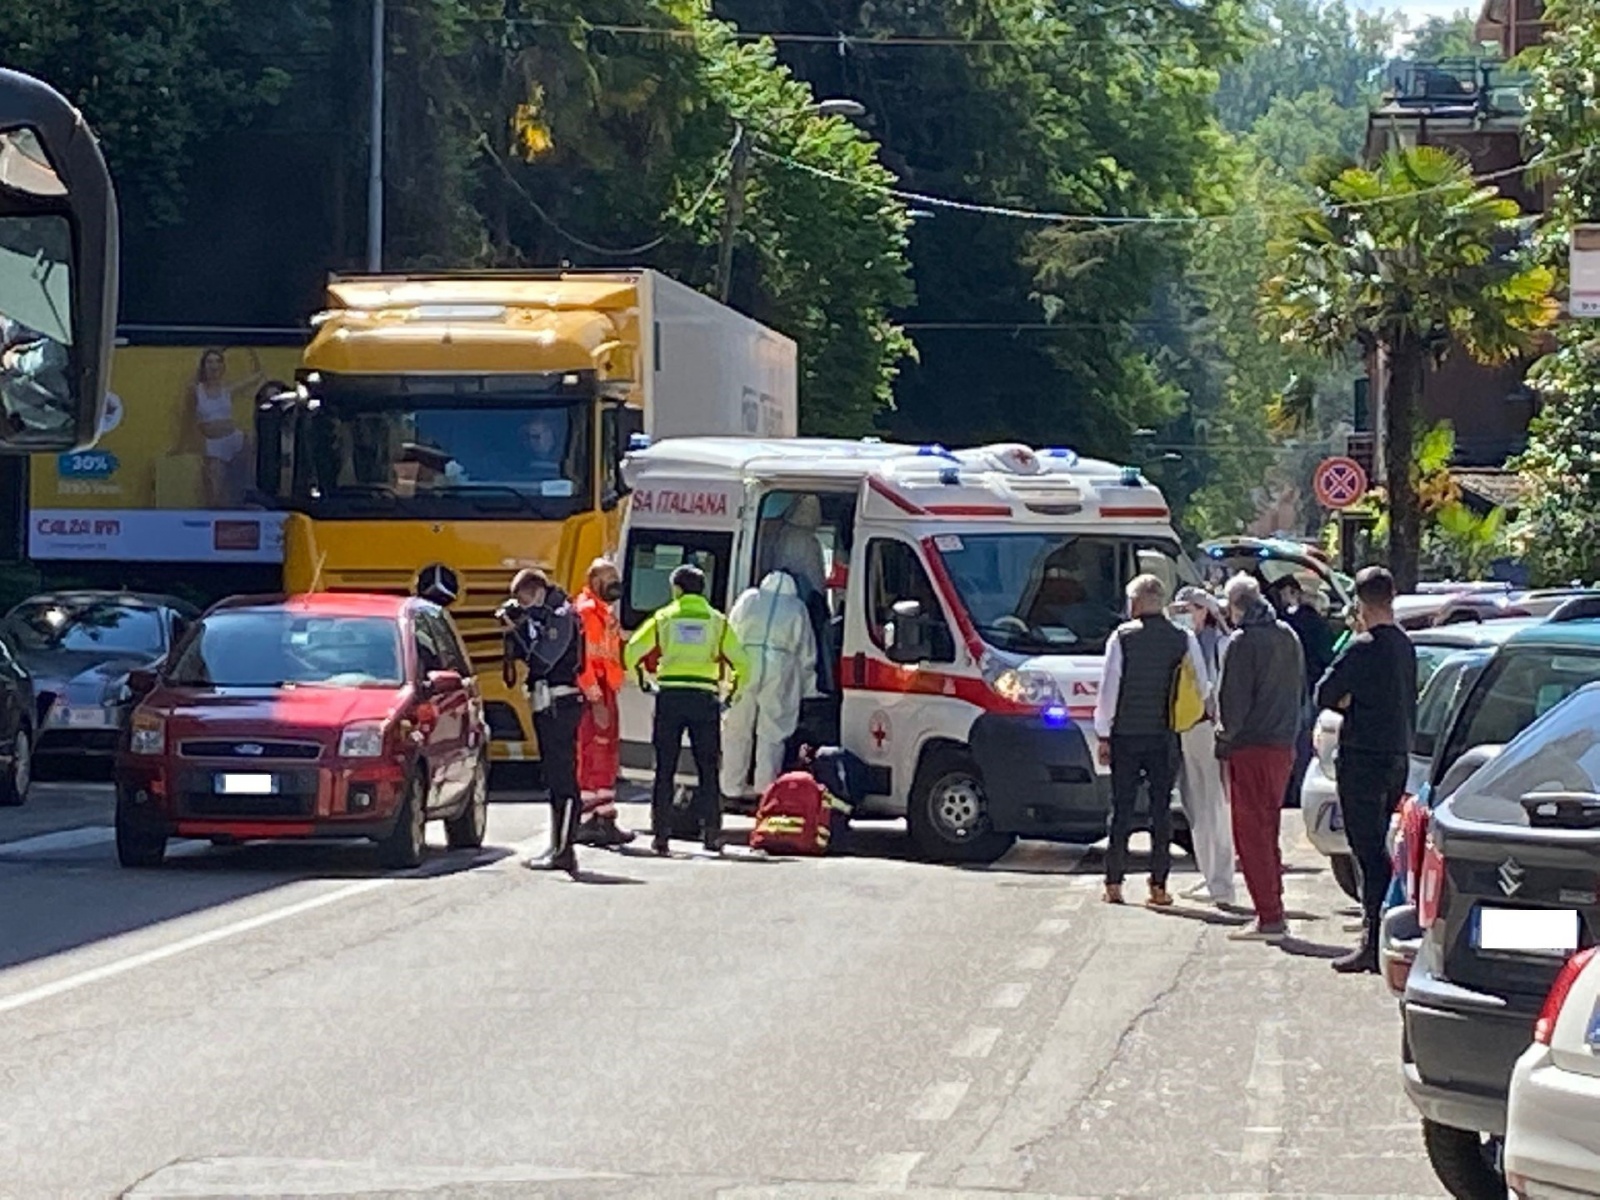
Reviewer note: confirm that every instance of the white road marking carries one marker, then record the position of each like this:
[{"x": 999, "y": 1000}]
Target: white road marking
[
  {"x": 1009, "y": 995},
  {"x": 1052, "y": 927},
  {"x": 977, "y": 1042},
  {"x": 891, "y": 1171},
  {"x": 1034, "y": 958},
  {"x": 65, "y": 839},
  {"x": 940, "y": 1101},
  {"x": 143, "y": 959},
  {"x": 1265, "y": 1090}
]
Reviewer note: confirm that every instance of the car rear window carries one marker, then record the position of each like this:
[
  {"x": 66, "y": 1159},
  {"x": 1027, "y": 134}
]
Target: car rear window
[
  {"x": 1519, "y": 687},
  {"x": 275, "y": 648}
]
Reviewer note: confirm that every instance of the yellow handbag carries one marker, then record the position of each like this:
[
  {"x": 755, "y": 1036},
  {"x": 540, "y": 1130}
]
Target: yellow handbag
[{"x": 1188, "y": 702}]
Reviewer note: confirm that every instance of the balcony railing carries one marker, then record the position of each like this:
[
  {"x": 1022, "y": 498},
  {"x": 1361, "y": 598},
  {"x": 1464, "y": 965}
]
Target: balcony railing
[{"x": 1484, "y": 87}]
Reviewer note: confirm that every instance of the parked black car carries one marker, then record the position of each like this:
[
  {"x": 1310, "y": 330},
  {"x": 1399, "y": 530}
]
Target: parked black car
[
  {"x": 79, "y": 647},
  {"x": 1509, "y": 886},
  {"x": 16, "y": 729}
]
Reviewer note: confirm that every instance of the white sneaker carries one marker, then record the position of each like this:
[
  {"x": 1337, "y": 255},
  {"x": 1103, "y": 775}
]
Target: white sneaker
[
  {"x": 1199, "y": 891},
  {"x": 1260, "y": 933}
]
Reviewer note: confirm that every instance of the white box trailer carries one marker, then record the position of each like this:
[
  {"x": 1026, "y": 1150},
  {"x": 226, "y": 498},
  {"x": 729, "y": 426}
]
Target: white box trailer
[
  {"x": 966, "y": 598},
  {"x": 711, "y": 371}
]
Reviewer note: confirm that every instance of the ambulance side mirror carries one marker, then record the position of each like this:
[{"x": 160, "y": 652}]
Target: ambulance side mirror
[
  {"x": 908, "y": 636},
  {"x": 58, "y": 272}
]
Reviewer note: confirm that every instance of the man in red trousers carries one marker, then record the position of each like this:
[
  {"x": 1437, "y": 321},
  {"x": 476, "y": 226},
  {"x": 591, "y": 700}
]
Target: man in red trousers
[
  {"x": 1259, "y": 698},
  {"x": 599, "y": 740}
]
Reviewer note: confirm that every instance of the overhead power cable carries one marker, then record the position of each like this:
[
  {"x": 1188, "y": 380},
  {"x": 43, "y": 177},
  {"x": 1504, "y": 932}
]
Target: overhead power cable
[
  {"x": 717, "y": 177},
  {"x": 923, "y": 199}
]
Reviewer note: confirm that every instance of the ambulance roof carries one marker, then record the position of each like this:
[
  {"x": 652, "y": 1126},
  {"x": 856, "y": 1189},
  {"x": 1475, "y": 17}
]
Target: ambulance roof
[
  {"x": 1004, "y": 481},
  {"x": 742, "y": 457}
]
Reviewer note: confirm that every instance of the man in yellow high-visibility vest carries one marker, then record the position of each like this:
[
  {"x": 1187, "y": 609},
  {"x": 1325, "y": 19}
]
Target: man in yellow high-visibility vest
[{"x": 697, "y": 663}]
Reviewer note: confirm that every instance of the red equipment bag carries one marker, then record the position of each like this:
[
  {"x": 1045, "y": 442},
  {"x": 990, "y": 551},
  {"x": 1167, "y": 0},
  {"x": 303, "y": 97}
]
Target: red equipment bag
[{"x": 794, "y": 816}]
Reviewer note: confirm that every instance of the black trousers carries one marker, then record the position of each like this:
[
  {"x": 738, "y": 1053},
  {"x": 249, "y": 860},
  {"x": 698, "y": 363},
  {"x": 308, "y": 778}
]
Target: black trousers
[
  {"x": 699, "y": 714},
  {"x": 1370, "y": 787},
  {"x": 1152, "y": 761},
  {"x": 557, "y": 730}
]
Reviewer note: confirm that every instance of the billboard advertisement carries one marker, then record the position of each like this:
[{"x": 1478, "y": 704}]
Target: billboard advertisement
[{"x": 172, "y": 475}]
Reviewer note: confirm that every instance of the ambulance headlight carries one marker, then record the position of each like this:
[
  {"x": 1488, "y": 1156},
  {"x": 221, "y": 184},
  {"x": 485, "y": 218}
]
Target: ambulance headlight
[{"x": 1036, "y": 689}]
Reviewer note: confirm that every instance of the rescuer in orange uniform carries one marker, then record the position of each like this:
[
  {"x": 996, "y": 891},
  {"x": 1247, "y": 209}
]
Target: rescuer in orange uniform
[{"x": 599, "y": 739}]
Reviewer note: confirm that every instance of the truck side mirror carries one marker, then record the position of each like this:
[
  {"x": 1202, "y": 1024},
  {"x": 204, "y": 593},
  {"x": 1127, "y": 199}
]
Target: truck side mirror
[
  {"x": 58, "y": 272},
  {"x": 630, "y": 425},
  {"x": 907, "y": 636}
]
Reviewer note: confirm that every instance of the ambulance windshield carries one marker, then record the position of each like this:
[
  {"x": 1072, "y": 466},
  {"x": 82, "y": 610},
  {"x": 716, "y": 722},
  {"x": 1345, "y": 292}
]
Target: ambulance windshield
[{"x": 1050, "y": 592}]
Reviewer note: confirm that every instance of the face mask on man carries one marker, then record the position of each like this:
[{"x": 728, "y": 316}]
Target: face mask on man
[
  {"x": 1183, "y": 619},
  {"x": 611, "y": 592}
]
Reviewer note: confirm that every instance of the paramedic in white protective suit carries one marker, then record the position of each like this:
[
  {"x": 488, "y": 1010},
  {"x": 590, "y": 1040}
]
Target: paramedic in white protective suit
[{"x": 772, "y": 623}]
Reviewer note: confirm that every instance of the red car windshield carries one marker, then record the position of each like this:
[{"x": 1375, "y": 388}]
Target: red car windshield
[{"x": 275, "y": 648}]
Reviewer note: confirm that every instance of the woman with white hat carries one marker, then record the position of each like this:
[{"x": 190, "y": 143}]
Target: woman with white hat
[{"x": 1200, "y": 788}]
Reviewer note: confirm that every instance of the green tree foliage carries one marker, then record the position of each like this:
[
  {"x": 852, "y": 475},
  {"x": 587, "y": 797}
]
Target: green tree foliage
[
  {"x": 1306, "y": 45},
  {"x": 1443, "y": 37},
  {"x": 1407, "y": 259},
  {"x": 1559, "y": 529},
  {"x": 1027, "y": 330},
  {"x": 159, "y": 78}
]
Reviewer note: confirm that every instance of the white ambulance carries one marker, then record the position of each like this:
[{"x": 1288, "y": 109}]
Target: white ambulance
[{"x": 965, "y": 599}]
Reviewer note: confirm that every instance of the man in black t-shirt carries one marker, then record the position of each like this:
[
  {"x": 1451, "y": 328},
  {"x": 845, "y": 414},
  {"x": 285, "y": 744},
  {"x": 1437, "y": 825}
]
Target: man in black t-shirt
[{"x": 1374, "y": 684}]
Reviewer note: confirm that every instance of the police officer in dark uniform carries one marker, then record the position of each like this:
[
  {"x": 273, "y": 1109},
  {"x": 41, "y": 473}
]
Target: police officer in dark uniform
[{"x": 542, "y": 631}]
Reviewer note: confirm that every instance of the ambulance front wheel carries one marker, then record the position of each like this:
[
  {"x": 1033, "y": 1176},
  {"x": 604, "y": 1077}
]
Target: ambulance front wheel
[{"x": 949, "y": 815}]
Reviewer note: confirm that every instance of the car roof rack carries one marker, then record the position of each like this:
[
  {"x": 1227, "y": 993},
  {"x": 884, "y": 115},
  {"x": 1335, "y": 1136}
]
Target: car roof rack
[{"x": 1579, "y": 608}]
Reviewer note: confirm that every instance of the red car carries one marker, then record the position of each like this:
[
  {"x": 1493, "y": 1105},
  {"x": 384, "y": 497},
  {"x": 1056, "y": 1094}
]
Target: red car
[{"x": 344, "y": 716}]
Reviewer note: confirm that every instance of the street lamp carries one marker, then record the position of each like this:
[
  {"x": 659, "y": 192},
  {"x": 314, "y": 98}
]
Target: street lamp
[{"x": 733, "y": 210}]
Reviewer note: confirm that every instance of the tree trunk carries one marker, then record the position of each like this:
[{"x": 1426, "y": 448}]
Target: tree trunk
[{"x": 1406, "y": 367}]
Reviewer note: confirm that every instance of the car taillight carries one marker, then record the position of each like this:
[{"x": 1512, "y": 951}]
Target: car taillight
[
  {"x": 1413, "y": 838},
  {"x": 1545, "y": 1027},
  {"x": 1430, "y": 885}
]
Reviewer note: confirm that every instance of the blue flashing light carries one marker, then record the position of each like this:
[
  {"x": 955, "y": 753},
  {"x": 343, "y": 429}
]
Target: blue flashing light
[
  {"x": 1062, "y": 452},
  {"x": 1264, "y": 552},
  {"x": 639, "y": 441},
  {"x": 1215, "y": 552},
  {"x": 934, "y": 450},
  {"x": 1130, "y": 477},
  {"x": 950, "y": 476},
  {"x": 1055, "y": 716}
]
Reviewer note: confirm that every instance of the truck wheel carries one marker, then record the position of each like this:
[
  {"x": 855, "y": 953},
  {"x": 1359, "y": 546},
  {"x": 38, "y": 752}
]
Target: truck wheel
[
  {"x": 137, "y": 844},
  {"x": 949, "y": 814},
  {"x": 1464, "y": 1161},
  {"x": 14, "y": 784},
  {"x": 408, "y": 841},
  {"x": 465, "y": 830},
  {"x": 1345, "y": 875}
]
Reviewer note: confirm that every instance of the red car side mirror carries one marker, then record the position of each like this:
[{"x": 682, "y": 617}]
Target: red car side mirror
[{"x": 444, "y": 683}]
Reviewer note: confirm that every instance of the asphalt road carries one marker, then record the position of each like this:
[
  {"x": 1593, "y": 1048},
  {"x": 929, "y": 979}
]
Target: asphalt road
[{"x": 289, "y": 1021}]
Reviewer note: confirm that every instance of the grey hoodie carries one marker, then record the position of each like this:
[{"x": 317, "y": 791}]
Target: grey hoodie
[{"x": 1261, "y": 692}]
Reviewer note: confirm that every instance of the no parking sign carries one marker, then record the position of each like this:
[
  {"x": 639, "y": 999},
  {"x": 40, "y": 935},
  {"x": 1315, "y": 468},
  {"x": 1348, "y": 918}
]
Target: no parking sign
[{"x": 1339, "y": 483}]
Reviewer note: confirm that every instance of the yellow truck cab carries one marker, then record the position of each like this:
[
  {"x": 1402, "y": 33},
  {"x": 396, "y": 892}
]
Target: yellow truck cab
[{"x": 447, "y": 430}]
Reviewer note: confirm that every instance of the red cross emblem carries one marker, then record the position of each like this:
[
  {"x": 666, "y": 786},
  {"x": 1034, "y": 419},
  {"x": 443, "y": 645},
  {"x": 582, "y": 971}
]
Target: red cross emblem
[{"x": 879, "y": 729}]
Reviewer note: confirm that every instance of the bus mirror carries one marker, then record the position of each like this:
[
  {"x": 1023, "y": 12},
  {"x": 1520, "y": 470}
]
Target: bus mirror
[{"x": 58, "y": 272}]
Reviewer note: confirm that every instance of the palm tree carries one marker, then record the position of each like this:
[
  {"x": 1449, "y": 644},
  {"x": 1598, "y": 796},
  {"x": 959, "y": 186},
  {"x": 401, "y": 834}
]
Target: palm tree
[{"x": 1407, "y": 259}]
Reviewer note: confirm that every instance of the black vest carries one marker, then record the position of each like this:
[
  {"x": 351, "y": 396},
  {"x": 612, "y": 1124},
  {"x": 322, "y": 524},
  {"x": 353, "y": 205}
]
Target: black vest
[
  {"x": 563, "y": 671},
  {"x": 1152, "y": 650}
]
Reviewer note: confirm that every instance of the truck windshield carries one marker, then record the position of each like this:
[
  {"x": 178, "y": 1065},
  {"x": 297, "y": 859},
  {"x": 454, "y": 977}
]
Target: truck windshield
[
  {"x": 445, "y": 458},
  {"x": 1051, "y": 592}
]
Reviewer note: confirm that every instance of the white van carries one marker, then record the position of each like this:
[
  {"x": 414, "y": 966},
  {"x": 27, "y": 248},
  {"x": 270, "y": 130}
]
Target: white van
[{"x": 966, "y": 601}]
